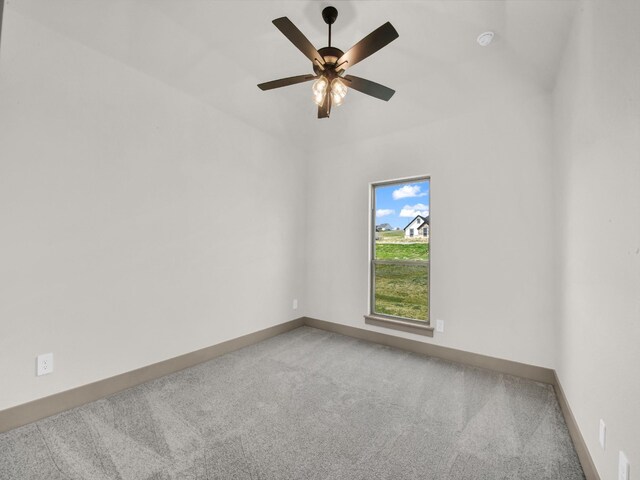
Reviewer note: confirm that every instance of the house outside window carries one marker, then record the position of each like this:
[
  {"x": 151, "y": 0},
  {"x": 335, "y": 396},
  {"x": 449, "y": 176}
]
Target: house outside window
[{"x": 399, "y": 281}]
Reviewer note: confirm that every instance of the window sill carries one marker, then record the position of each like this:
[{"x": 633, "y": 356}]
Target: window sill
[{"x": 396, "y": 324}]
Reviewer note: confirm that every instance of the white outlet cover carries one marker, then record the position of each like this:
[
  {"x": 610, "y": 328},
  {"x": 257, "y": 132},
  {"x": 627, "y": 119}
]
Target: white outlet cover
[
  {"x": 440, "y": 326},
  {"x": 623, "y": 467},
  {"x": 603, "y": 434},
  {"x": 44, "y": 364},
  {"x": 295, "y": 303}
]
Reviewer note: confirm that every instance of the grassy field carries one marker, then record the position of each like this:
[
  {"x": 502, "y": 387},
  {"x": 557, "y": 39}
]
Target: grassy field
[
  {"x": 402, "y": 291},
  {"x": 391, "y": 235},
  {"x": 397, "y": 236},
  {"x": 402, "y": 251}
]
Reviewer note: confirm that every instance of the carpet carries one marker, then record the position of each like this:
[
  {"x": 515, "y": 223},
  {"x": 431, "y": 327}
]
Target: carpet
[{"x": 306, "y": 404}]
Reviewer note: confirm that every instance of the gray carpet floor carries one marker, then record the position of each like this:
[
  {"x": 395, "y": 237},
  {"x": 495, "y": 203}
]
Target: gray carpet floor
[{"x": 306, "y": 405}]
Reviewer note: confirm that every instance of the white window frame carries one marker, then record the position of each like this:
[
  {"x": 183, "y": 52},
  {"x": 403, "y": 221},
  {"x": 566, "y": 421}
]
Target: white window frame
[{"x": 421, "y": 327}]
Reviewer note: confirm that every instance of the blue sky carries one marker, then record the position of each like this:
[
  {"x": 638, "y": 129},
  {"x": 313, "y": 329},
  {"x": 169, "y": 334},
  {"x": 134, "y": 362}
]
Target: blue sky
[{"x": 398, "y": 204}]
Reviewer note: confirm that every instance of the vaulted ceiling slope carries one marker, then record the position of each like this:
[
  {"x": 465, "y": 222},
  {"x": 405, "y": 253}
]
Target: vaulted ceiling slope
[
  {"x": 1, "y": 14},
  {"x": 217, "y": 51}
]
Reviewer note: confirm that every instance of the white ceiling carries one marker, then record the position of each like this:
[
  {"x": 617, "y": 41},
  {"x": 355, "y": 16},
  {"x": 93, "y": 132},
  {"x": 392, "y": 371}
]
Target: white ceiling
[{"x": 217, "y": 51}]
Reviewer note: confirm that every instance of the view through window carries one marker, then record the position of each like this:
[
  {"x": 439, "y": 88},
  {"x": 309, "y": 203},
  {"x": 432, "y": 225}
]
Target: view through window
[{"x": 400, "y": 253}]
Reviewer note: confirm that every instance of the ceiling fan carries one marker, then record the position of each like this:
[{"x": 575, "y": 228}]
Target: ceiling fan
[{"x": 330, "y": 63}]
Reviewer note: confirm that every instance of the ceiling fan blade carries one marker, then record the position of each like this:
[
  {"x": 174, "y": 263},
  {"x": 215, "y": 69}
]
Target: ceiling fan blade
[
  {"x": 325, "y": 109},
  {"x": 296, "y": 37},
  {"x": 285, "y": 82},
  {"x": 370, "y": 88},
  {"x": 369, "y": 45}
]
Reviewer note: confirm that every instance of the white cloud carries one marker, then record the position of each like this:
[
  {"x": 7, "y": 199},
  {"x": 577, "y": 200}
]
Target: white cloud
[
  {"x": 383, "y": 212},
  {"x": 412, "y": 211},
  {"x": 408, "y": 191}
]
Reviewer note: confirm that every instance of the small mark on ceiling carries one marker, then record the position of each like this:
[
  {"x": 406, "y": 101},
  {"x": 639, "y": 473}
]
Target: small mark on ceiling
[{"x": 484, "y": 39}]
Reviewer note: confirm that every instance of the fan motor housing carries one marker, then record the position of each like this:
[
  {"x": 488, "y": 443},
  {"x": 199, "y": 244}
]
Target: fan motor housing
[{"x": 330, "y": 56}]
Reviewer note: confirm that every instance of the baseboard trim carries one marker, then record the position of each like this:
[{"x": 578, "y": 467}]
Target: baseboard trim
[
  {"x": 44, "y": 407},
  {"x": 532, "y": 372},
  {"x": 579, "y": 444}
]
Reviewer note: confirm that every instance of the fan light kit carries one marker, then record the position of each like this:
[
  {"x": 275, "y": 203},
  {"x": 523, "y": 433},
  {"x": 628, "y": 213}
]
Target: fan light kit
[{"x": 330, "y": 64}]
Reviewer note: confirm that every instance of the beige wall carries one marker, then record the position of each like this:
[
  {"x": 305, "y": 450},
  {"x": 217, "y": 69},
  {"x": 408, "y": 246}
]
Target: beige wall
[
  {"x": 492, "y": 264},
  {"x": 118, "y": 199},
  {"x": 597, "y": 113}
]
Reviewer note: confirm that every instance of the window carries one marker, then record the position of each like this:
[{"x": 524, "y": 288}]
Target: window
[{"x": 399, "y": 283}]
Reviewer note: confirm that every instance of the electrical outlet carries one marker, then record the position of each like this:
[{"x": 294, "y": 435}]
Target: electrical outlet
[
  {"x": 603, "y": 433},
  {"x": 440, "y": 326},
  {"x": 295, "y": 303},
  {"x": 44, "y": 364},
  {"x": 623, "y": 467}
]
